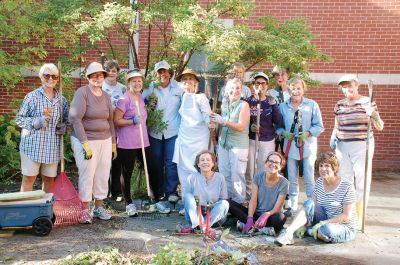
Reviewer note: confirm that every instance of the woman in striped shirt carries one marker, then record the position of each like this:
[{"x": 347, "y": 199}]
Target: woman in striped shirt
[
  {"x": 330, "y": 216},
  {"x": 350, "y": 134}
]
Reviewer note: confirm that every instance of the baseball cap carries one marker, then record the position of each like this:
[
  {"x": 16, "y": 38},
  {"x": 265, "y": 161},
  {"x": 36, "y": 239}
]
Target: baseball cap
[
  {"x": 348, "y": 78},
  {"x": 261, "y": 74}
]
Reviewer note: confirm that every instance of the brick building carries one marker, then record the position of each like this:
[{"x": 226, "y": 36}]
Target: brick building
[{"x": 362, "y": 36}]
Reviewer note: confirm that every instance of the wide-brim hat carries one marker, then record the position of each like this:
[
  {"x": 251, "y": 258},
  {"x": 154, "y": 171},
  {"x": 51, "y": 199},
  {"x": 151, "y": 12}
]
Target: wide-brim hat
[
  {"x": 261, "y": 74},
  {"x": 95, "y": 67},
  {"x": 348, "y": 78},
  {"x": 133, "y": 73},
  {"x": 187, "y": 72}
]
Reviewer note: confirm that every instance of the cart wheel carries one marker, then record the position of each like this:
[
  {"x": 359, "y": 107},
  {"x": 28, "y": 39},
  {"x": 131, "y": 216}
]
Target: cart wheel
[{"x": 42, "y": 226}]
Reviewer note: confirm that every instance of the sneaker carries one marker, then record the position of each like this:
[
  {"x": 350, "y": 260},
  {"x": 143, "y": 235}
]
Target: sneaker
[
  {"x": 269, "y": 231},
  {"x": 131, "y": 210},
  {"x": 101, "y": 213},
  {"x": 86, "y": 217},
  {"x": 162, "y": 208},
  {"x": 182, "y": 212},
  {"x": 240, "y": 225},
  {"x": 284, "y": 238},
  {"x": 184, "y": 229},
  {"x": 119, "y": 199},
  {"x": 173, "y": 198}
]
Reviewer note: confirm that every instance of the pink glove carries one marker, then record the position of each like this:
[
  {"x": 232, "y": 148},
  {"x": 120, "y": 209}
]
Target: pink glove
[
  {"x": 249, "y": 224},
  {"x": 262, "y": 220}
]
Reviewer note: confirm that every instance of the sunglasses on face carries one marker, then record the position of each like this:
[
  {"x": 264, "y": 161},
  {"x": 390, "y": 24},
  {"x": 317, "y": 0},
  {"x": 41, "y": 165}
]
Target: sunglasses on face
[{"x": 47, "y": 77}]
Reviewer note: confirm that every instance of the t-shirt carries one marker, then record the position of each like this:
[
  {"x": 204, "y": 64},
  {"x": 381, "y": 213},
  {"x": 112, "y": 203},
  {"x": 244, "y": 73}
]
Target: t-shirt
[
  {"x": 91, "y": 116},
  {"x": 333, "y": 201},
  {"x": 128, "y": 137},
  {"x": 267, "y": 196},
  {"x": 352, "y": 119},
  {"x": 212, "y": 190},
  {"x": 114, "y": 91}
]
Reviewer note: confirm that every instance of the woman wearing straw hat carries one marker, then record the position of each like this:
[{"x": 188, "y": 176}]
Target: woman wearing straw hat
[
  {"x": 38, "y": 117},
  {"x": 194, "y": 129},
  {"x": 93, "y": 139},
  {"x": 127, "y": 119}
]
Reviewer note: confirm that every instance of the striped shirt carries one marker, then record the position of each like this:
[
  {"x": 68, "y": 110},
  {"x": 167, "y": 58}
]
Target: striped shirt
[
  {"x": 42, "y": 145},
  {"x": 352, "y": 120},
  {"x": 333, "y": 201}
]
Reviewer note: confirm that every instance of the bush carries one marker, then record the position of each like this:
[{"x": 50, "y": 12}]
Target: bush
[{"x": 10, "y": 164}]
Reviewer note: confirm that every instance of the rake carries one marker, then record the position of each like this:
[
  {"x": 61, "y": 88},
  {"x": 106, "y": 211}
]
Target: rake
[{"x": 67, "y": 208}]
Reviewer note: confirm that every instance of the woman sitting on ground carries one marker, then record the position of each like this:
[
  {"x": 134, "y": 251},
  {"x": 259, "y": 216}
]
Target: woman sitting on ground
[
  {"x": 209, "y": 188},
  {"x": 331, "y": 215},
  {"x": 268, "y": 195}
]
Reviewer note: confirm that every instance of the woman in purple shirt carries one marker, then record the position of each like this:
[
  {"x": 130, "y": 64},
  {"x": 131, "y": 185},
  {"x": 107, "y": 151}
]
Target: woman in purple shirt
[{"x": 128, "y": 118}]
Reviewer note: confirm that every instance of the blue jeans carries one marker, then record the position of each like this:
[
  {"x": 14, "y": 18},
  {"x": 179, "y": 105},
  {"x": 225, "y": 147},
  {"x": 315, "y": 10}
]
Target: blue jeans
[
  {"x": 164, "y": 174},
  {"x": 293, "y": 175},
  {"x": 218, "y": 211},
  {"x": 334, "y": 233}
]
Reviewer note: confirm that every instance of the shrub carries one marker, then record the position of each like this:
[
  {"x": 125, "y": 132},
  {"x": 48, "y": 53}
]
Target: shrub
[{"x": 9, "y": 156}]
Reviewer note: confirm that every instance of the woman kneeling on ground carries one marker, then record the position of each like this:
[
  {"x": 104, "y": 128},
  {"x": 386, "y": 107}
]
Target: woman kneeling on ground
[
  {"x": 209, "y": 188},
  {"x": 331, "y": 215},
  {"x": 268, "y": 195}
]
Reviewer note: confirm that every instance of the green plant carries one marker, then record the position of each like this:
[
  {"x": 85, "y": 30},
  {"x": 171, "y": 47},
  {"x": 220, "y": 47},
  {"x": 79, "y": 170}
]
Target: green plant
[
  {"x": 172, "y": 255},
  {"x": 9, "y": 156},
  {"x": 154, "y": 116}
]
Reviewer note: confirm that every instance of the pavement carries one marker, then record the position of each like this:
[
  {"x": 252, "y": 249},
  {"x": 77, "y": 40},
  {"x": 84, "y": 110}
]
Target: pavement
[{"x": 380, "y": 244}]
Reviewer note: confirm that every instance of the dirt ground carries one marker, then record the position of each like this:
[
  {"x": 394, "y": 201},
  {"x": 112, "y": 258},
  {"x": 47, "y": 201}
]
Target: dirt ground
[{"x": 143, "y": 236}]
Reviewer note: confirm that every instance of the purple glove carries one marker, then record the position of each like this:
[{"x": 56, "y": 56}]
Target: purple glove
[
  {"x": 249, "y": 224},
  {"x": 262, "y": 220}
]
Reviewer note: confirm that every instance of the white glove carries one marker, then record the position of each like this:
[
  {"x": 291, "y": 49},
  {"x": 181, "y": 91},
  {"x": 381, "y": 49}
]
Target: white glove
[
  {"x": 40, "y": 122},
  {"x": 214, "y": 117},
  {"x": 333, "y": 141}
]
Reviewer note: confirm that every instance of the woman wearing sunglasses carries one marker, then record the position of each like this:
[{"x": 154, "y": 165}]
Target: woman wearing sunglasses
[
  {"x": 39, "y": 117},
  {"x": 268, "y": 195}
]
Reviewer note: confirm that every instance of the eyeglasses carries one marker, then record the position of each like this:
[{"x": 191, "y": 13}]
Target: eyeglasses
[
  {"x": 260, "y": 83},
  {"x": 274, "y": 162},
  {"x": 47, "y": 76}
]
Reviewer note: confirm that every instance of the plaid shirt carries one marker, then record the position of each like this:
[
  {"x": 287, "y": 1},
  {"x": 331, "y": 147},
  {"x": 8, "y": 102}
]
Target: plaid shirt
[{"x": 42, "y": 145}]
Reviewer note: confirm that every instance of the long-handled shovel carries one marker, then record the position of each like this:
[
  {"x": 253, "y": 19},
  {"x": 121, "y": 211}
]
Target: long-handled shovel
[
  {"x": 370, "y": 94},
  {"x": 150, "y": 193}
]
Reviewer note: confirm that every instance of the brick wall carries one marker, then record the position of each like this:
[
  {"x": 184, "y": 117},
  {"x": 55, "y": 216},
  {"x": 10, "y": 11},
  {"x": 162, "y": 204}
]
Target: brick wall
[{"x": 362, "y": 37}]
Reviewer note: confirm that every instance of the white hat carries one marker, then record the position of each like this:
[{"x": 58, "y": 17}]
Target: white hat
[
  {"x": 348, "y": 78},
  {"x": 162, "y": 65},
  {"x": 133, "y": 73},
  {"x": 277, "y": 70},
  {"x": 95, "y": 67},
  {"x": 261, "y": 74}
]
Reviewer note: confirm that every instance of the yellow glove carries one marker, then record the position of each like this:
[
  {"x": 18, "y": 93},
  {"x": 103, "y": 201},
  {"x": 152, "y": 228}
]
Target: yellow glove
[
  {"x": 316, "y": 228},
  {"x": 87, "y": 150},
  {"x": 114, "y": 150}
]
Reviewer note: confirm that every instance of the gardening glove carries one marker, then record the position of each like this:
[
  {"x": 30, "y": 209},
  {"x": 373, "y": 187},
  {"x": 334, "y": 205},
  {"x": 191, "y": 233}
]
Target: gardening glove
[
  {"x": 61, "y": 129},
  {"x": 262, "y": 220},
  {"x": 315, "y": 228},
  {"x": 254, "y": 128},
  {"x": 371, "y": 112},
  {"x": 301, "y": 231},
  {"x": 136, "y": 119},
  {"x": 214, "y": 117},
  {"x": 249, "y": 224},
  {"x": 114, "y": 151},
  {"x": 40, "y": 122},
  {"x": 87, "y": 150},
  {"x": 303, "y": 136},
  {"x": 333, "y": 141},
  {"x": 288, "y": 135}
]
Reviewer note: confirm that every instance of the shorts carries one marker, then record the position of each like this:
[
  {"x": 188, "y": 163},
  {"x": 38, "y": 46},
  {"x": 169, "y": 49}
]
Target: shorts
[{"x": 31, "y": 168}]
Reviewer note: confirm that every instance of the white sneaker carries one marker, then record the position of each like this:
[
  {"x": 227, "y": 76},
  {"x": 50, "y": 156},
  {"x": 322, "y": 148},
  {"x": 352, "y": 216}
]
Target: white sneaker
[
  {"x": 294, "y": 201},
  {"x": 162, "y": 208},
  {"x": 131, "y": 210},
  {"x": 86, "y": 217},
  {"x": 173, "y": 198},
  {"x": 101, "y": 213},
  {"x": 284, "y": 238}
]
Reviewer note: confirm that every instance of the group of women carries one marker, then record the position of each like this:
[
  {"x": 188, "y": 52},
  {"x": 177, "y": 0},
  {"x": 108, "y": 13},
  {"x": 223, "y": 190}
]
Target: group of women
[{"x": 270, "y": 131}]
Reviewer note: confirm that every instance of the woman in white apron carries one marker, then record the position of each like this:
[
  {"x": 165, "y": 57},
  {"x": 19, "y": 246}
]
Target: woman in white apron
[{"x": 194, "y": 131}]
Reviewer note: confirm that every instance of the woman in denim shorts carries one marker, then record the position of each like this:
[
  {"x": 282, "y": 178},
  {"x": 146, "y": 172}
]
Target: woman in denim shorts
[{"x": 330, "y": 216}]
